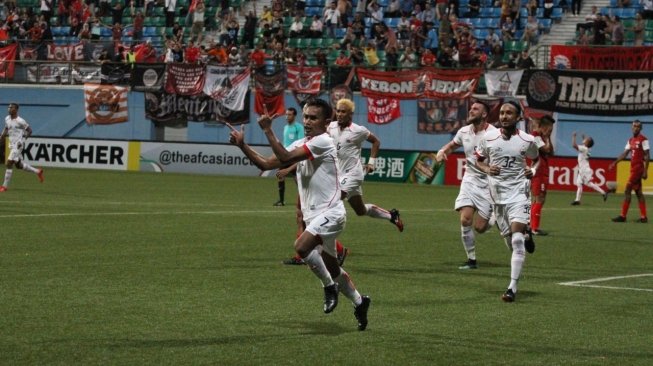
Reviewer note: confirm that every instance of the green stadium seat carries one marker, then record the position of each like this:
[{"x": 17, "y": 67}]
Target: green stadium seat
[{"x": 648, "y": 36}]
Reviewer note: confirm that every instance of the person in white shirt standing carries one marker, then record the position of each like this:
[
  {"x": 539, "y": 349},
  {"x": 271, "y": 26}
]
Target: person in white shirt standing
[
  {"x": 320, "y": 197},
  {"x": 474, "y": 197},
  {"x": 18, "y": 130},
  {"x": 349, "y": 138},
  {"x": 502, "y": 155},
  {"x": 585, "y": 173}
]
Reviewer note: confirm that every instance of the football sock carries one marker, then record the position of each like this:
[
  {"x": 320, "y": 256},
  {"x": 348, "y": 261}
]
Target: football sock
[
  {"x": 29, "y": 168},
  {"x": 595, "y": 187},
  {"x": 579, "y": 192},
  {"x": 347, "y": 287},
  {"x": 536, "y": 211},
  {"x": 508, "y": 241},
  {"x": 467, "y": 236},
  {"x": 282, "y": 190},
  {"x": 8, "y": 174},
  {"x": 624, "y": 208},
  {"x": 339, "y": 247},
  {"x": 642, "y": 209},
  {"x": 317, "y": 266},
  {"x": 517, "y": 260},
  {"x": 377, "y": 212}
]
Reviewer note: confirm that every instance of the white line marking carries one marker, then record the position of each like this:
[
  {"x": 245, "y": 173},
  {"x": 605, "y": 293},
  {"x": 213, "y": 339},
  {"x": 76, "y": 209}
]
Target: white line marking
[
  {"x": 585, "y": 283},
  {"x": 70, "y": 214}
]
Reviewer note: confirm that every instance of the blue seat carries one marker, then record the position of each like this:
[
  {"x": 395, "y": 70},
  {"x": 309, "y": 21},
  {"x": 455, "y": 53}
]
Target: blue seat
[
  {"x": 546, "y": 24},
  {"x": 523, "y": 13},
  {"x": 614, "y": 4},
  {"x": 480, "y": 34},
  {"x": 539, "y": 13},
  {"x": 149, "y": 31},
  {"x": 462, "y": 3},
  {"x": 493, "y": 23},
  {"x": 628, "y": 13},
  {"x": 556, "y": 14},
  {"x": 105, "y": 32},
  {"x": 496, "y": 12},
  {"x": 486, "y": 12},
  {"x": 477, "y": 22},
  {"x": 340, "y": 32}
]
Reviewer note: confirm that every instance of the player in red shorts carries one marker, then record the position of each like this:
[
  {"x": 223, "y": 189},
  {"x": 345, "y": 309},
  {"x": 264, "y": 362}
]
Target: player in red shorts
[
  {"x": 639, "y": 148},
  {"x": 539, "y": 182}
]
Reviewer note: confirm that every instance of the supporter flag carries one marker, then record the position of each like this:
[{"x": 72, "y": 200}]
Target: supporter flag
[
  {"x": 227, "y": 85},
  {"x": 184, "y": 79},
  {"x": 382, "y": 110},
  {"x": 7, "y": 58},
  {"x": 269, "y": 93},
  {"x": 502, "y": 83},
  {"x": 115, "y": 73},
  {"x": 73, "y": 52},
  {"x": 105, "y": 104},
  {"x": 147, "y": 77},
  {"x": 304, "y": 79}
]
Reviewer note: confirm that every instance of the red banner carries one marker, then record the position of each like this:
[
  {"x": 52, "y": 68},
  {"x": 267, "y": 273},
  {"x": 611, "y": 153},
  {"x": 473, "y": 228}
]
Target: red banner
[
  {"x": 184, "y": 79},
  {"x": 429, "y": 83},
  {"x": 382, "y": 110},
  {"x": 306, "y": 80},
  {"x": 7, "y": 58},
  {"x": 270, "y": 93},
  {"x": 602, "y": 58},
  {"x": 73, "y": 52},
  {"x": 105, "y": 104},
  {"x": 562, "y": 175}
]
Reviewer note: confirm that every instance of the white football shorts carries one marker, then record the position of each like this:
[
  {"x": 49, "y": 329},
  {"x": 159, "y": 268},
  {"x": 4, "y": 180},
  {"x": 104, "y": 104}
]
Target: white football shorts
[
  {"x": 475, "y": 196},
  {"x": 512, "y": 212},
  {"x": 352, "y": 184},
  {"x": 328, "y": 225}
]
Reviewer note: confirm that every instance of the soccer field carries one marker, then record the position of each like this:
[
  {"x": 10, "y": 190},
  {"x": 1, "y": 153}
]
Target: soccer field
[{"x": 121, "y": 268}]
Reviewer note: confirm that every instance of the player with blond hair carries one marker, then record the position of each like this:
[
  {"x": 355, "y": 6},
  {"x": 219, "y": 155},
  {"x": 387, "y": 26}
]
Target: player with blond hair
[{"x": 349, "y": 137}]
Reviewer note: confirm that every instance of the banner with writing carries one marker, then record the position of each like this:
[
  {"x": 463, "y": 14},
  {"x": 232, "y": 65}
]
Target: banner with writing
[{"x": 601, "y": 58}]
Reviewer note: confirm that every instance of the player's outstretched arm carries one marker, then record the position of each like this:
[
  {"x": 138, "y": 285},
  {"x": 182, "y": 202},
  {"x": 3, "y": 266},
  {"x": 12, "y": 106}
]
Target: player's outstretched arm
[{"x": 237, "y": 137}]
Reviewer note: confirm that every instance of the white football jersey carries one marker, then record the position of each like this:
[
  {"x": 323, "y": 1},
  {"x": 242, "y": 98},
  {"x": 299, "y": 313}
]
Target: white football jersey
[
  {"x": 348, "y": 144},
  {"x": 469, "y": 140},
  {"x": 16, "y": 130},
  {"x": 317, "y": 177},
  {"x": 583, "y": 158},
  {"x": 511, "y": 184}
]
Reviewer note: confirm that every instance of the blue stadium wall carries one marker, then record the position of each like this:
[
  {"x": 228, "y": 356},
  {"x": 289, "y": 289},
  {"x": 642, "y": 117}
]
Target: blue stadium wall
[{"x": 55, "y": 111}]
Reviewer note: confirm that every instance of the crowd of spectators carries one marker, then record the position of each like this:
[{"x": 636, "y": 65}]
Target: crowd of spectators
[{"x": 421, "y": 33}]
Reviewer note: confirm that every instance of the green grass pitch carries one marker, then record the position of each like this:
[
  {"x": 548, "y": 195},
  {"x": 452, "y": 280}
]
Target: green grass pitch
[{"x": 120, "y": 268}]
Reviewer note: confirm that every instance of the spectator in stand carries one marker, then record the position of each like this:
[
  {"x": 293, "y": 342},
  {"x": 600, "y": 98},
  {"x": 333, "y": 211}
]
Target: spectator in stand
[
  {"x": 243, "y": 52},
  {"x": 85, "y": 33},
  {"x": 197, "y": 29},
  {"x": 148, "y": 53},
  {"x": 116, "y": 33},
  {"x": 531, "y": 31},
  {"x": 137, "y": 26},
  {"x": 177, "y": 32},
  {"x": 600, "y": 26},
  {"x": 232, "y": 31},
  {"x": 266, "y": 17},
  {"x": 258, "y": 57},
  {"x": 515, "y": 6},
  {"x": 331, "y": 17},
  {"x": 638, "y": 28},
  {"x": 589, "y": 19},
  {"x": 407, "y": 7},
  {"x": 496, "y": 62},
  {"x": 465, "y": 47},
  {"x": 583, "y": 39},
  {"x": 479, "y": 58},
  {"x": 321, "y": 58},
  {"x": 428, "y": 15},
  {"x": 279, "y": 37},
  {"x": 116, "y": 13},
  {"x": 492, "y": 39},
  {"x": 219, "y": 54},
  {"x": 617, "y": 36},
  {"x": 47, "y": 7},
  {"x": 358, "y": 25},
  {"x": 300, "y": 6},
  {"x": 445, "y": 60},
  {"x": 427, "y": 59},
  {"x": 345, "y": 8},
  {"x": 357, "y": 56},
  {"x": 508, "y": 30},
  {"x": 418, "y": 12},
  {"x": 475, "y": 8},
  {"x": 297, "y": 27},
  {"x": 348, "y": 39},
  {"x": 506, "y": 10},
  {"x": 391, "y": 59},
  {"x": 375, "y": 13},
  {"x": 191, "y": 53},
  {"x": 149, "y": 7},
  {"x": 342, "y": 60},
  {"x": 647, "y": 8},
  {"x": 266, "y": 34},
  {"x": 441, "y": 7},
  {"x": 62, "y": 13},
  {"x": 249, "y": 29},
  {"x": 371, "y": 56},
  {"x": 393, "y": 10},
  {"x": 531, "y": 7},
  {"x": 233, "y": 58},
  {"x": 432, "y": 39},
  {"x": 408, "y": 59},
  {"x": 525, "y": 61},
  {"x": 575, "y": 7},
  {"x": 317, "y": 28}
]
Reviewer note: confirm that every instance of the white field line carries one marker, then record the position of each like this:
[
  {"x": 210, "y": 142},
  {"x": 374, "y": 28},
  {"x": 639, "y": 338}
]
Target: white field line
[{"x": 587, "y": 283}]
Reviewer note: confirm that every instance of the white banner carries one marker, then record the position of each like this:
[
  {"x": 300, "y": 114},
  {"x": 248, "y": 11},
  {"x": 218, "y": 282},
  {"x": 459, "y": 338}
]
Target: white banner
[
  {"x": 71, "y": 153},
  {"x": 502, "y": 83},
  {"x": 227, "y": 85},
  {"x": 86, "y": 74},
  {"x": 49, "y": 73},
  {"x": 198, "y": 158}
]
